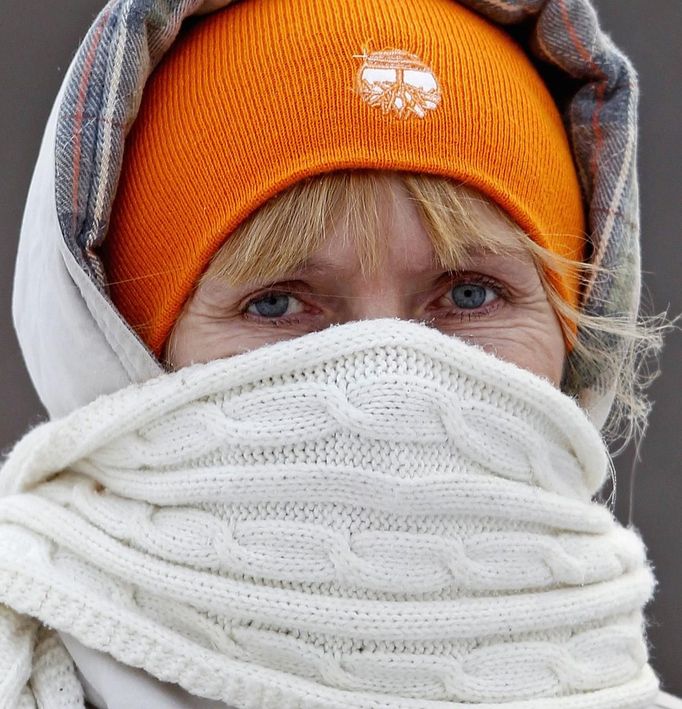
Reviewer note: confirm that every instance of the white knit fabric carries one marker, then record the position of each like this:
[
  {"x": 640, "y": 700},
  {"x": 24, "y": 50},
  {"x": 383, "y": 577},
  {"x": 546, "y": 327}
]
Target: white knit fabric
[
  {"x": 109, "y": 684},
  {"x": 376, "y": 515}
]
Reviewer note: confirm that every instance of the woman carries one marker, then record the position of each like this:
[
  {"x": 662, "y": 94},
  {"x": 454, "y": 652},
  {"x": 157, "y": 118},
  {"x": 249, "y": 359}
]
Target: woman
[{"x": 357, "y": 304}]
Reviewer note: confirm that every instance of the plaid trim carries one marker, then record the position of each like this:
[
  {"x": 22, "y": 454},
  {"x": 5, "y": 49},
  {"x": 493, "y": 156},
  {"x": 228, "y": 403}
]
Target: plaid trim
[{"x": 129, "y": 37}]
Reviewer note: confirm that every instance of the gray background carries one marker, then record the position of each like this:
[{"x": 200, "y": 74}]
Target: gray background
[{"x": 37, "y": 39}]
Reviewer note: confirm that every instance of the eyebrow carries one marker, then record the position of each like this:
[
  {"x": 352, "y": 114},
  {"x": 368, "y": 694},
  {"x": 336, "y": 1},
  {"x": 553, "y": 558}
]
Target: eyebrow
[
  {"x": 316, "y": 265},
  {"x": 322, "y": 266}
]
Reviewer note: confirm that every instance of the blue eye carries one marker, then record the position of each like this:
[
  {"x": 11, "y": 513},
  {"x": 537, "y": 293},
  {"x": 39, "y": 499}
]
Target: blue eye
[
  {"x": 470, "y": 296},
  {"x": 272, "y": 305}
]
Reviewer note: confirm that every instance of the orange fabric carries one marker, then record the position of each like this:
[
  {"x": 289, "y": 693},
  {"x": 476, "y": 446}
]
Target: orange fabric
[{"x": 257, "y": 96}]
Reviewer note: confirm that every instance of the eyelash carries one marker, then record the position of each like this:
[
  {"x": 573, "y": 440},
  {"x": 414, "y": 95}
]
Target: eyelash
[
  {"x": 275, "y": 322},
  {"x": 453, "y": 280},
  {"x": 480, "y": 280}
]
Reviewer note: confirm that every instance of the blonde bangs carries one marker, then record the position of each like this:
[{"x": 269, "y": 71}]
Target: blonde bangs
[{"x": 285, "y": 232}]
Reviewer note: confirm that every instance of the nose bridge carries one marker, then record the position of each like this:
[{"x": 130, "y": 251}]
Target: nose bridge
[
  {"x": 386, "y": 299},
  {"x": 405, "y": 260}
]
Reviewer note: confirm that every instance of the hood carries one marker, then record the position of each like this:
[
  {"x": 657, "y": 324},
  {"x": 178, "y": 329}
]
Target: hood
[{"x": 75, "y": 343}]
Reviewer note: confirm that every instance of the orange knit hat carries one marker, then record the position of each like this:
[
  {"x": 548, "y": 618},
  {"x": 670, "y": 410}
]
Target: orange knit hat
[{"x": 264, "y": 93}]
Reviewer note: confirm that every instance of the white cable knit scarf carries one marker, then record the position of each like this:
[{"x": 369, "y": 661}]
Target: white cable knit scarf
[{"x": 376, "y": 515}]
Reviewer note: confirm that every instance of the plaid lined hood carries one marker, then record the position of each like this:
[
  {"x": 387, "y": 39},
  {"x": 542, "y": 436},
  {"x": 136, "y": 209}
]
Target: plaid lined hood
[{"x": 75, "y": 343}]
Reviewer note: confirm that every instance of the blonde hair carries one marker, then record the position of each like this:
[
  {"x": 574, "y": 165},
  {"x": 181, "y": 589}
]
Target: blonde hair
[{"x": 289, "y": 228}]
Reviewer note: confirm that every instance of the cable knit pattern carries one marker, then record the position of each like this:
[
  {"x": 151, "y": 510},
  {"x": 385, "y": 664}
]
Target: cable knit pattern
[{"x": 342, "y": 520}]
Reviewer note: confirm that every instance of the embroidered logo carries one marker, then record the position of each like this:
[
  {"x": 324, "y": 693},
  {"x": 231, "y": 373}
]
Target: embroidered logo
[{"x": 397, "y": 82}]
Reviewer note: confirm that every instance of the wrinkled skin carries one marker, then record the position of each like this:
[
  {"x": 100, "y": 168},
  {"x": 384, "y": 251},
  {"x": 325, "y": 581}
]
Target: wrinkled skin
[{"x": 498, "y": 303}]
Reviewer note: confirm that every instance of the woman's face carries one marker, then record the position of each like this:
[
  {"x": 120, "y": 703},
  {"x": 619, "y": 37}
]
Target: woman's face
[{"x": 498, "y": 302}]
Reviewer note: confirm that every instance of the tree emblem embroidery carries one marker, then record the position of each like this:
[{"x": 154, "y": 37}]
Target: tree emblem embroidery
[{"x": 397, "y": 82}]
